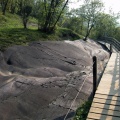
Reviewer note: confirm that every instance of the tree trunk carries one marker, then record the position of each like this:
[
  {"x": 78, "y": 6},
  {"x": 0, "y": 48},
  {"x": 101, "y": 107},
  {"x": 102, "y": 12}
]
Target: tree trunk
[
  {"x": 25, "y": 26},
  {"x": 85, "y": 39},
  {"x": 48, "y": 16},
  {"x": 88, "y": 33},
  {"x": 25, "y": 20},
  {"x": 4, "y": 6},
  {"x": 12, "y": 9},
  {"x": 60, "y": 15}
]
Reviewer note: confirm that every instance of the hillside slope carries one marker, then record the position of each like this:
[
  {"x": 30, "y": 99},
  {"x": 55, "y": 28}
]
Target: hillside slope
[{"x": 13, "y": 33}]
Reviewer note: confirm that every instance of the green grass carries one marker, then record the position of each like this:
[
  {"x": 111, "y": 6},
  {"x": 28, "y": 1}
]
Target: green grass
[
  {"x": 16, "y": 36},
  {"x": 13, "y": 33},
  {"x": 21, "y": 36},
  {"x": 10, "y": 21}
]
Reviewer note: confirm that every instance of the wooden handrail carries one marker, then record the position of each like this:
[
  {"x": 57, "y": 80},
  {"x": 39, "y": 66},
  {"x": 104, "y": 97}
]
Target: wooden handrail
[{"x": 115, "y": 43}]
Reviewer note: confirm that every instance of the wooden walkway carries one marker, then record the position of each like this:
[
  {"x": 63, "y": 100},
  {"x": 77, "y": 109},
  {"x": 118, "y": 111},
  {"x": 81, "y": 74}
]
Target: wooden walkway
[{"x": 106, "y": 102}]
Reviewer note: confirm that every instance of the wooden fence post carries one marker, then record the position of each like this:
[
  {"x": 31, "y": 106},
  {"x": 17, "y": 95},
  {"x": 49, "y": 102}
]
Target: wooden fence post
[
  {"x": 119, "y": 65},
  {"x": 94, "y": 74},
  {"x": 111, "y": 49}
]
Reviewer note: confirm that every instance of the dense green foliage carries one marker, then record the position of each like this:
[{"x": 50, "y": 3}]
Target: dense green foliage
[
  {"x": 90, "y": 20},
  {"x": 52, "y": 19},
  {"x": 82, "y": 111},
  {"x": 49, "y": 13},
  {"x": 90, "y": 13}
]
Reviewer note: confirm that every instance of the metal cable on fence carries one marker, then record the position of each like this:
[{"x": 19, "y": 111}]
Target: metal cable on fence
[{"x": 77, "y": 94}]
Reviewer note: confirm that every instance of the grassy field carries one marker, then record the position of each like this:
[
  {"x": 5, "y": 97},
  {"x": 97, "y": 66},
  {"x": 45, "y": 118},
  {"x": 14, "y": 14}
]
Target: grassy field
[{"x": 13, "y": 33}]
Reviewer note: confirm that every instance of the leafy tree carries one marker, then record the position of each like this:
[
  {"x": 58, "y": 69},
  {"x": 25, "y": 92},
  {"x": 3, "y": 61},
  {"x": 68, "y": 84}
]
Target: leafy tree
[
  {"x": 4, "y": 5},
  {"x": 117, "y": 33},
  {"x": 13, "y": 6},
  {"x": 106, "y": 25},
  {"x": 78, "y": 24},
  {"x": 50, "y": 12},
  {"x": 25, "y": 14},
  {"x": 90, "y": 12},
  {"x": 25, "y": 8}
]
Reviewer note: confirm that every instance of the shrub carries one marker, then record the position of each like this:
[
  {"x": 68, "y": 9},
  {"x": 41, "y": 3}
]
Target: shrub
[{"x": 82, "y": 111}]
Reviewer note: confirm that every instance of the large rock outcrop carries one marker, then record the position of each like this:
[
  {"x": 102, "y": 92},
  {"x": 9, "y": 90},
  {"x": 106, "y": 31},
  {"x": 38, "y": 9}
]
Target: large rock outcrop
[{"x": 40, "y": 81}]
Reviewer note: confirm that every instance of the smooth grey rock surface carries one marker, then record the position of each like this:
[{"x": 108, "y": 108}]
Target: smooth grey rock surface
[{"x": 41, "y": 80}]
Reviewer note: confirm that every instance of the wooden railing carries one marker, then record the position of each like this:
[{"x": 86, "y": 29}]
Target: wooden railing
[
  {"x": 113, "y": 44},
  {"x": 112, "y": 41}
]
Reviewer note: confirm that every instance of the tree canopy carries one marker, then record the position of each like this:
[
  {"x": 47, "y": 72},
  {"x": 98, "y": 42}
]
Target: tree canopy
[{"x": 88, "y": 20}]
